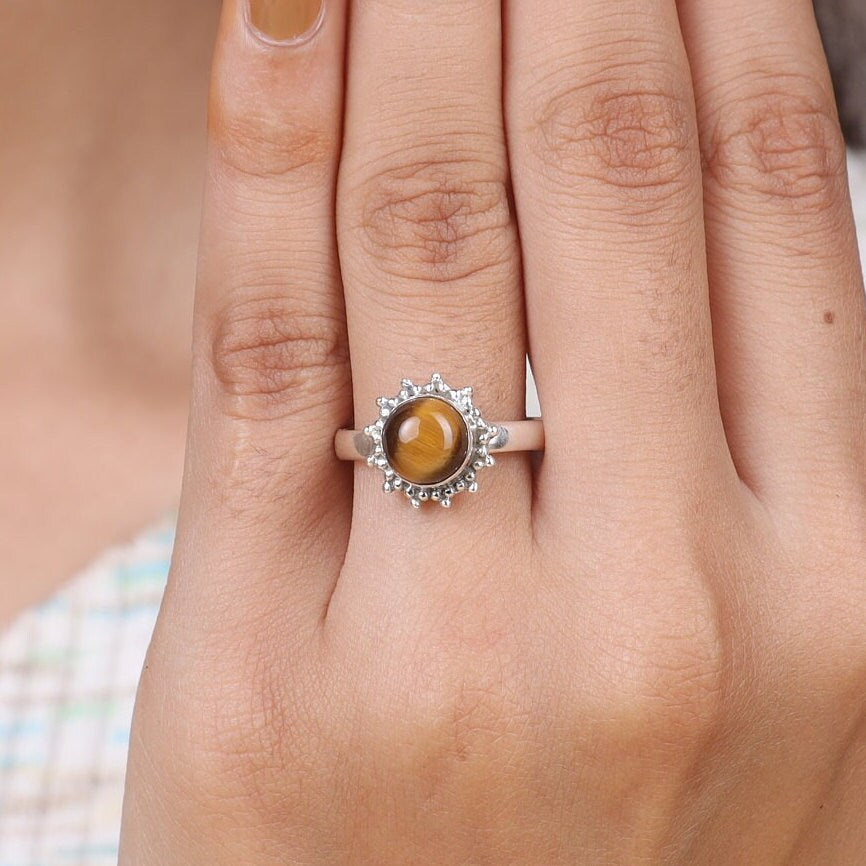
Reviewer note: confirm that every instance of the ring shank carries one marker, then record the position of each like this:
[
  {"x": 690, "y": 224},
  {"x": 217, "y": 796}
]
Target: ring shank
[{"x": 525, "y": 435}]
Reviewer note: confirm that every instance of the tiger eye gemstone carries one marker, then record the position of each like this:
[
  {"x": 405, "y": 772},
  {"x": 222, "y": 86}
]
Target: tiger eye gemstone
[{"x": 426, "y": 440}]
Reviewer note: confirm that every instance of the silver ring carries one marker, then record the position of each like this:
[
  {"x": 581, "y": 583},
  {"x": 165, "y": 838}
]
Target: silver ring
[{"x": 430, "y": 441}]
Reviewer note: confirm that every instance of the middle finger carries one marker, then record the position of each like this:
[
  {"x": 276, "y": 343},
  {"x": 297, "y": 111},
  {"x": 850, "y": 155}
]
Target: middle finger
[{"x": 428, "y": 247}]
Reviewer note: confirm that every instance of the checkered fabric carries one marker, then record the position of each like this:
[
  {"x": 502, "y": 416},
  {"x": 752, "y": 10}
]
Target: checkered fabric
[{"x": 68, "y": 673}]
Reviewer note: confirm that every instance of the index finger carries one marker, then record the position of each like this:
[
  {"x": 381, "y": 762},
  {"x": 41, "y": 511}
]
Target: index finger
[{"x": 271, "y": 370}]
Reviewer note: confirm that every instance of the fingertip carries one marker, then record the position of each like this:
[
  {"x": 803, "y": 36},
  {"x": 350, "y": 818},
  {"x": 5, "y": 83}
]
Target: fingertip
[{"x": 284, "y": 23}]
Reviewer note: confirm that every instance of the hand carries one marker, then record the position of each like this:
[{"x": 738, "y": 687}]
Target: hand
[{"x": 650, "y": 648}]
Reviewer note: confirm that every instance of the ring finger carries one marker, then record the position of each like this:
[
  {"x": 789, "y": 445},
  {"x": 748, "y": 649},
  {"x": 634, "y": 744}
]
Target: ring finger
[{"x": 428, "y": 247}]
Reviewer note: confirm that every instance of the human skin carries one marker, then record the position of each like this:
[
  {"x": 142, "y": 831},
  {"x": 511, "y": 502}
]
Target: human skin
[
  {"x": 101, "y": 169},
  {"x": 650, "y": 647}
]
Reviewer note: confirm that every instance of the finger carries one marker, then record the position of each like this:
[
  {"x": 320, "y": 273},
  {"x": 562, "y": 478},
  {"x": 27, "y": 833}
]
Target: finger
[
  {"x": 271, "y": 375},
  {"x": 787, "y": 291},
  {"x": 427, "y": 244},
  {"x": 606, "y": 173}
]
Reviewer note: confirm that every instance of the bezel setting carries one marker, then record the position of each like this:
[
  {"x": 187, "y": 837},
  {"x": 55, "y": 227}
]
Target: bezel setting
[{"x": 480, "y": 435}]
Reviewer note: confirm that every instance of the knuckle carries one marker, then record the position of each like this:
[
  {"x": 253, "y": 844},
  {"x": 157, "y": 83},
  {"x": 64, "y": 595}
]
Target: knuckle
[
  {"x": 248, "y": 744},
  {"x": 828, "y": 587},
  {"x": 271, "y": 358},
  {"x": 672, "y": 695},
  {"x": 640, "y": 140},
  {"x": 266, "y": 142},
  {"x": 782, "y": 144},
  {"x": 435, "y": 221},
  {"x": 250, "y": 709},
  {"x": 256, "y": 736},
  {"x": 477, "y": 717},
  {"x": 685, "y": 689},
  {"x": 465, "y": 727}
]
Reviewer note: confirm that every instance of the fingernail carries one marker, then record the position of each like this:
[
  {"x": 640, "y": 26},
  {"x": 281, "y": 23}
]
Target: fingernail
[{"x": 286, "y": 21}]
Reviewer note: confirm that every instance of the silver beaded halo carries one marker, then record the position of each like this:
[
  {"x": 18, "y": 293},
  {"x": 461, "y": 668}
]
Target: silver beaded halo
[{"x": 480, "y": 436}]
